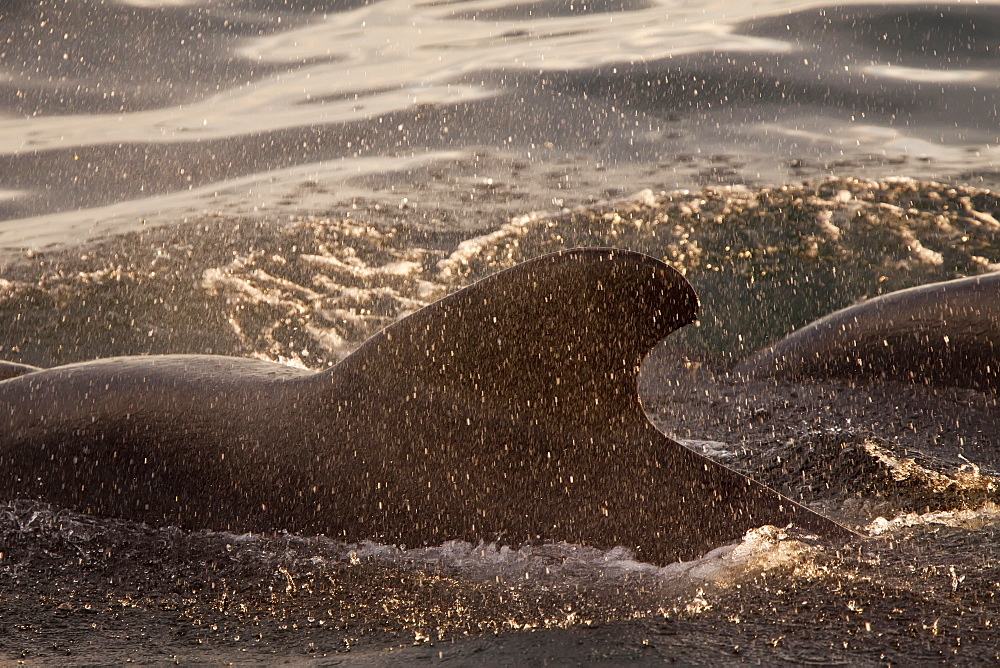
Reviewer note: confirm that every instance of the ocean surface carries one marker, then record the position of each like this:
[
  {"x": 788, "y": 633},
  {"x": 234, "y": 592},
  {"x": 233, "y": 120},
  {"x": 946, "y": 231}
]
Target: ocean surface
[
  {"x": 183, "y": 108},
  {"x": 280, "y": 180}
]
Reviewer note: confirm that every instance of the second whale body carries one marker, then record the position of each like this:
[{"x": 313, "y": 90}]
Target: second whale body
[{"x": 939, "y": 333}]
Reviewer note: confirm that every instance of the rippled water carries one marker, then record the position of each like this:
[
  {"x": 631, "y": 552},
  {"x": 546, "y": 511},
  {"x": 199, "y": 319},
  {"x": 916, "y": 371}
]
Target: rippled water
[{"x": 190, "y": 107}]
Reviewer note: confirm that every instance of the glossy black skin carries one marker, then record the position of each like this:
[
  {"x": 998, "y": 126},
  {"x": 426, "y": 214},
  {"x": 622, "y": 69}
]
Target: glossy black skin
[
  {"x": 942, "y": 334},
  {"x": 507, "y": 411}
]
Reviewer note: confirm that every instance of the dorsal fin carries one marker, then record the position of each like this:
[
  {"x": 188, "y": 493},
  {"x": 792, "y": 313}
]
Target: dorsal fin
[
  {"x": 526, "y": 382},
  {"x": 561, "y": 336}
]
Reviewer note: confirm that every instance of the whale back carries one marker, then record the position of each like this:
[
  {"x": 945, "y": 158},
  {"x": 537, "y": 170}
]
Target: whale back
[
  {"x": 945, "y": 333},
  {"x": 507, "y": 411}
]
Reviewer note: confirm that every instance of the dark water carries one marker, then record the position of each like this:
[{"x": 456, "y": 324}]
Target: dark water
[{"x": 235, "y": 105}]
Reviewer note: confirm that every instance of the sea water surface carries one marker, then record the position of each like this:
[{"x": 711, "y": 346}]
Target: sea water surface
[
  {"x": 182, "y": 107},
  {"x": 289, "y": 177}
]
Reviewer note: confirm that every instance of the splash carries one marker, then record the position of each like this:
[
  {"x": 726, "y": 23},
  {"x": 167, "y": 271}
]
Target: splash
[{"x": 974, "y": 519}]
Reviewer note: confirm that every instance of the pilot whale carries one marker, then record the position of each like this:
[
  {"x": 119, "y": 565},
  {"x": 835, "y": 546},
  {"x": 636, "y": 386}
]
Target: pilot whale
[
  {"x": 507, "y": 411},
  {"x": 945, "y": 333}
]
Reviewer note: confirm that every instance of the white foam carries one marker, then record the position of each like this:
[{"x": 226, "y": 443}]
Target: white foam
[
  {"x": 988, "y": 513},
  {"x": 358, "y": 269},
  {"x": 475, "y": 247},
  {"x": 565, "y": 564},
  {"x": 714, "y": 449}
]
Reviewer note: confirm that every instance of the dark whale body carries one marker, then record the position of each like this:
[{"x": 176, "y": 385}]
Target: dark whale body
[
  {"x": 507, "y": 411},
  {"x": 944, "y": 333}
]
